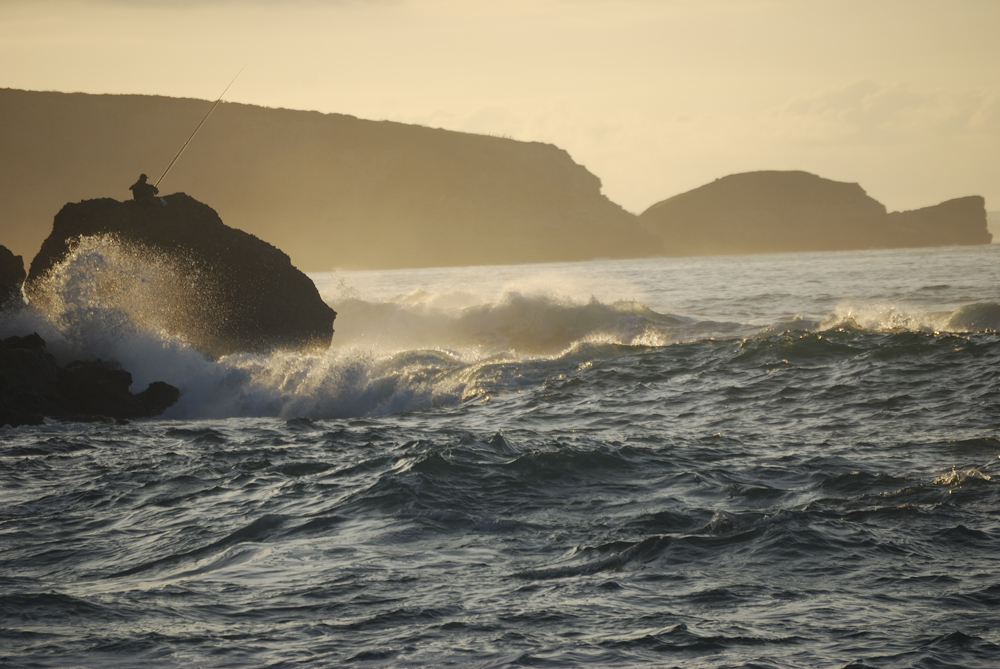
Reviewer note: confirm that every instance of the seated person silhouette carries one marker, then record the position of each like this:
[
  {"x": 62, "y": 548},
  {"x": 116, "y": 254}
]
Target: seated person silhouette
[{"x": 144, "y": 193}]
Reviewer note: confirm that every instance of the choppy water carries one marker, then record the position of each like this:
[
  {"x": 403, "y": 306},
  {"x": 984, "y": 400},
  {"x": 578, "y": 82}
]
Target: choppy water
[{"x": 759, "y": 461}]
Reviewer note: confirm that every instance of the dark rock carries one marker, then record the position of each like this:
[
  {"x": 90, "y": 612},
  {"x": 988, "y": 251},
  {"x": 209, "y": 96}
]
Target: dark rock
[
  {"x": 97, "y": 387},
  {"x": 224, "y": 291},
  {"x": 32, "y": 386},
  {"x": 28, "y": 385},
  {"x": 767, "y": 212},
  {"x": 32, "y": 342},
  {"x": 157, "y": 398},
  {"x": 959, "y": 221},
  {"x": 11, "y": 277}
]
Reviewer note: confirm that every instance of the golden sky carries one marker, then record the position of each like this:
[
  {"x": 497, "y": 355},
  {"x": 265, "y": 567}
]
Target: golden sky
[{"x": 653, "y": 96}]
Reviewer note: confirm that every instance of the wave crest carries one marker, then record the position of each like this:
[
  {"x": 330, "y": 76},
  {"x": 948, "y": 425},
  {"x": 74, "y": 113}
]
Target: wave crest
[
  {"x": 419, "y": 350},
  {"x": 978, "y": 317},
  {"x": 530, "y": 324}
]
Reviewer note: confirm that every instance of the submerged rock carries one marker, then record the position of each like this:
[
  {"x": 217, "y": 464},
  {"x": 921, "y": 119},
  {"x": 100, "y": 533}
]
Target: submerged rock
[
  {"x": 33, "y": 386},
  {"x": 11, "y": 277},
  {"x": 183, "y": 270}
]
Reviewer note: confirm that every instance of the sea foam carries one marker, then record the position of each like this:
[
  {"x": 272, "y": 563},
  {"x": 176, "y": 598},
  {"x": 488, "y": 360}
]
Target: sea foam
[{"x": 426, "y": 347}]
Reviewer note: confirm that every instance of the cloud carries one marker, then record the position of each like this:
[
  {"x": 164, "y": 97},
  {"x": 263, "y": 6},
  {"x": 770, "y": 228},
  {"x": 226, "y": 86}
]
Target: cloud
[
  {"x": 987, "y": 115},
  {"x": 865, "y": 112}
]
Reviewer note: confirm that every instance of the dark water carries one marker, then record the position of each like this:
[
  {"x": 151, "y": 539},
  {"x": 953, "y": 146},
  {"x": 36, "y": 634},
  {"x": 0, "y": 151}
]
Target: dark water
[{"x": 772, "y": 461}]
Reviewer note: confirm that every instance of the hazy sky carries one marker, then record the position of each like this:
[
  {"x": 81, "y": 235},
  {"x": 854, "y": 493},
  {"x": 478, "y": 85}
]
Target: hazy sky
[{"x": 653, "y": 96}]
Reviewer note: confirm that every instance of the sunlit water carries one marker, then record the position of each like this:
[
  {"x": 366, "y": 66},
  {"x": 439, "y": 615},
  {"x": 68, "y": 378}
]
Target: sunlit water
[{"x": 761, "y": 461}]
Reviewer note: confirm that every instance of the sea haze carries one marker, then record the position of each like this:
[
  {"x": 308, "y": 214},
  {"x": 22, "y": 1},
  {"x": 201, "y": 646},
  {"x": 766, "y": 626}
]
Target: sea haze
[{"x": 760, "y": 461}]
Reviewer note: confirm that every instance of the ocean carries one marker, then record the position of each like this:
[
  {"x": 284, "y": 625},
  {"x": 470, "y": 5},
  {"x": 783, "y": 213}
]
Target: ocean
[{"x": 747, "y": 461}]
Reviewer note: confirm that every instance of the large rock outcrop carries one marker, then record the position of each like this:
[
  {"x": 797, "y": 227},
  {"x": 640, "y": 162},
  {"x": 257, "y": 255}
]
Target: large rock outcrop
[
  {"x": 330, "y": 190},
  {"x": 33, "y": 386},
  {"x": 959, "y": 221},
  {"x": 175, "y": 265},
  {"x": 771, "y": 211},
  {"x": 11, "y": 277}
]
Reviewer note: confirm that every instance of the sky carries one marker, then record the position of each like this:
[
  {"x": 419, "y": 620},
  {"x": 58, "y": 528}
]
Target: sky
[{"x": 655, "y": 97}]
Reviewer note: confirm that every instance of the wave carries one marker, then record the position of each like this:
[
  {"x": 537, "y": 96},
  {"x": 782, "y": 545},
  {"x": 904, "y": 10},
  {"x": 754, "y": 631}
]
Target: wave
[
  {"x": 414, "y": 351},
  {"x": 977, "y": 317}
]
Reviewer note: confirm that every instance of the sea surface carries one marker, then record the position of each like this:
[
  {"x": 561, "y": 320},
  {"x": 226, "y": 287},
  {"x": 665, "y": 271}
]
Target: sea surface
[{"x": 747, "y": 461}]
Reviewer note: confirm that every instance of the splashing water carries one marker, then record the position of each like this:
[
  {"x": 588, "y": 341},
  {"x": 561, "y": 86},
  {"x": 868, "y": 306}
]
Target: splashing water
[{"x": 412, "y": 341}]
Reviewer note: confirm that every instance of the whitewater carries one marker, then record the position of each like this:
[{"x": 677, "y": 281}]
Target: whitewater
[{"x": 771, "y": 461}]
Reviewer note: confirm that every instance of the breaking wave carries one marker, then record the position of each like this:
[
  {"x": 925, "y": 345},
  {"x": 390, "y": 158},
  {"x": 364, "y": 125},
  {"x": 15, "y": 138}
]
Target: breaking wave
[
  {"x": 417, "y": 350},
  {"x": 978, "y": 317}
]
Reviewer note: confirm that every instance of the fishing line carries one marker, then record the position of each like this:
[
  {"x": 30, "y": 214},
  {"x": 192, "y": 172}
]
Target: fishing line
[{"x": 198, "y": 128}]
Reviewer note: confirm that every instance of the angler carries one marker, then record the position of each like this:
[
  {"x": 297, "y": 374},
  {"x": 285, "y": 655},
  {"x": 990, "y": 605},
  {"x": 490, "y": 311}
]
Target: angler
[{"x": 143, "y": 192}]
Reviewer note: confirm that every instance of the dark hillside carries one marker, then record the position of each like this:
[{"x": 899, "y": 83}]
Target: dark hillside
[
  {"x": 771, "y": 212},
  {"x": 330, "y": 190}
]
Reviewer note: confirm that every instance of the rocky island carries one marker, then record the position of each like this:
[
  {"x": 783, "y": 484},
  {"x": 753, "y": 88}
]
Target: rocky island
[
  {"x": 773, "y": 211},
  {"x": 169, "y": 264},
  {"x": 218, "y": 288}
]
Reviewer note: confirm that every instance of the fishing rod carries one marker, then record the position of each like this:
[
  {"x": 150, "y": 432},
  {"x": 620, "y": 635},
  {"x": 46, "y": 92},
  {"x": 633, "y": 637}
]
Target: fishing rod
[{"x": 197, "y": 129}]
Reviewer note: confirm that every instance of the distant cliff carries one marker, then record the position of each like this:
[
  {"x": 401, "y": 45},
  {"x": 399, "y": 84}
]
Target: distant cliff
[
  {"x": 768, "y": 212},
  {"x": 329, "y": 190},
  {"x": 334, "y": 191},
  {"x": 959, "y": 221}
]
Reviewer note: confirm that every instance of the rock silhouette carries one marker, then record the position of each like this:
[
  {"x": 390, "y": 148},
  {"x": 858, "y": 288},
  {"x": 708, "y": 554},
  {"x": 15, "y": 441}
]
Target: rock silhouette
[
  {"x": 222, "y": 290},
  {"x": 11, "y": 277},
  {"x": 959, "y": 221},
  {"x": 333, "y": 190},
  {"x": 33, "y": 386},
  {"x": 770, "y": 211}
]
